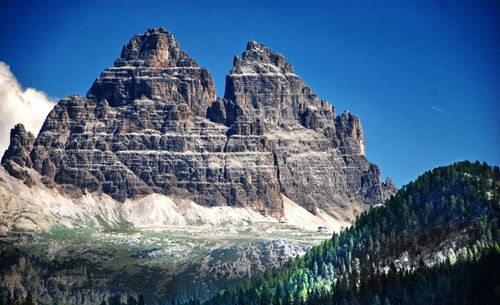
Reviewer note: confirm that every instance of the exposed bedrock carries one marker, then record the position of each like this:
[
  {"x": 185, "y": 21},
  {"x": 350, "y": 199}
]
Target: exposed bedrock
[{"x": 152, "y": 124}]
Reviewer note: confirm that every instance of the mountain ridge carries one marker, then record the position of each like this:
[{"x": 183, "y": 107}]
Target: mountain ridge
[{"x": 152, "y": 124}]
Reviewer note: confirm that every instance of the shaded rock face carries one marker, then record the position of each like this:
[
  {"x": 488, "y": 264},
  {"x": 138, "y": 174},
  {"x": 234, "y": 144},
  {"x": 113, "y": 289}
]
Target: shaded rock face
[
  {"x": 17, "y": 156},
  {"x": 152, "y": 124},
  {"x": 20, "y": 146}
]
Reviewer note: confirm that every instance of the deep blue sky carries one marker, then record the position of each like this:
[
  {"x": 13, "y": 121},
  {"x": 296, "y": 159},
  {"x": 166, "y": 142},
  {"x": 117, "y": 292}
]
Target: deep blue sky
[{"x": 423, "y": 75}]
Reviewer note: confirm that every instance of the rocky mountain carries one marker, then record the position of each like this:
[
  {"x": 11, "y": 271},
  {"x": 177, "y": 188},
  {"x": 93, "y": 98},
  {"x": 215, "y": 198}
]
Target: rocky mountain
[{"x": 152, "y": 124}]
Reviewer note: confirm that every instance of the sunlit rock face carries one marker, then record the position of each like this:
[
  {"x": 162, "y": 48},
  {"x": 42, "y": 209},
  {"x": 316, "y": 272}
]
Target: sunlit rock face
[
  {"x": 152, "y": 124},
  {"x": 153, "y": 66},
  {"x": 319, "y": 157}
]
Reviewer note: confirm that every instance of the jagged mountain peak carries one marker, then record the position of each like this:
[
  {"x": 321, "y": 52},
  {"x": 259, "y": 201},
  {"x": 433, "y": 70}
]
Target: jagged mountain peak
[
  {"x": 259, "y": 59},
  {"x": 21, "y": 142},
  {"x": 17, "y": 157},
  {"x": 155, "y": 48},
  {"x": 152, "y": 65}
]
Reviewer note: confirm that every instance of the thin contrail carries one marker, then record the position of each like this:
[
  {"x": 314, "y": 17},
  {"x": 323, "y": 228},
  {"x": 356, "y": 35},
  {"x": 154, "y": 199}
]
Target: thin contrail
[{"x": 439, "y": 109}]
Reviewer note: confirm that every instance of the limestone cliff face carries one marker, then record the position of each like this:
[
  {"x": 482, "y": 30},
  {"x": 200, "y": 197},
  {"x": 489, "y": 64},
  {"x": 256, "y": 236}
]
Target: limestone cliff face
[
  {"x": 152, "y": 124},
  {"x": 319, "y": 157},
  {"x": 152, "y": 65},
  {"x": 17, "y": 156},
  {"x": 21, "y": 144}
]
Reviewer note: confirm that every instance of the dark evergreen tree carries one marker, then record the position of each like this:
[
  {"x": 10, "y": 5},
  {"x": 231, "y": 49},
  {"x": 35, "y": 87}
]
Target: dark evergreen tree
[
  {"x": 10, "y": 298},
  {"x": 141, "y": 300},
  {"x": 115, "y": 300},
  {"x": 29, "y": 300},
  {"x": 133, "y": 301}
]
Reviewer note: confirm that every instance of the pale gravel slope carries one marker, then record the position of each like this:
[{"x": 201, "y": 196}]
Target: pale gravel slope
[{"x": 39, "y": 208}]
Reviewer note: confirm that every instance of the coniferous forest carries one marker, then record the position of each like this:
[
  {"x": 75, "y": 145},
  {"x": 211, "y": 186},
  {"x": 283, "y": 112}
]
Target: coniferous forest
[{"x": 435, "y": 242}]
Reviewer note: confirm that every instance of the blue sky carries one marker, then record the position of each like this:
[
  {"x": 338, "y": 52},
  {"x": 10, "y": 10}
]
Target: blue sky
[{"x": 424, "y": 76}]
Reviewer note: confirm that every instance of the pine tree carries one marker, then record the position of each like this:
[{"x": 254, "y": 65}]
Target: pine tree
[
  {"x": 141, "y": 300},
  {"x": 315, "y": 269},
  {"x": 115, "y": 300},
  {"x": 133, "y": 301},
  {"x": 376, "y": 300},
  {"x": 29, "y": 300},
  {"x": 10, "y": 299}
]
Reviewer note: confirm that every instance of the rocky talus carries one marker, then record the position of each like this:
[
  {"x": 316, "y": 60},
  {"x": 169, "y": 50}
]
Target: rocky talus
[{"x": 152, "y": 124}]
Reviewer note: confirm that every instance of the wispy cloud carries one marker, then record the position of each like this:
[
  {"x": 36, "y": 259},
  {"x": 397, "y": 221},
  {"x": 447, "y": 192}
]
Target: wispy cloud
[
  {"x": 17, "y": 105},
  {"x": 439, "y": 109}
]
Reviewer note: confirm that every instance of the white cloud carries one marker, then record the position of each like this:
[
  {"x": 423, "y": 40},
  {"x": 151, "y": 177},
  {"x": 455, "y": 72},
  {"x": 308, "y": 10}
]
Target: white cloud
[{"x": 17, "y": 105}]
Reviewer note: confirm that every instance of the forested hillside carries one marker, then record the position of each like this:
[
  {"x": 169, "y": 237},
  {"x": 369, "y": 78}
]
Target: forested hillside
[{"x": 435, "y": 242}]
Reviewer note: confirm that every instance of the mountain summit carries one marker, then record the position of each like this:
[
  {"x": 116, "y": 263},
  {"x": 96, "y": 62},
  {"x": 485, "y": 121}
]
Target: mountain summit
[
  {"x": 152, "y": 124},
  {"x": 153, "y": 66},
  {"x": 155, "y": 48}
]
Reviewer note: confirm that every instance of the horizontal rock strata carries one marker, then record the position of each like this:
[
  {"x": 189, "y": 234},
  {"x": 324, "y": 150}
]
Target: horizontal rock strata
[{"x": 152, "y": 124}]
